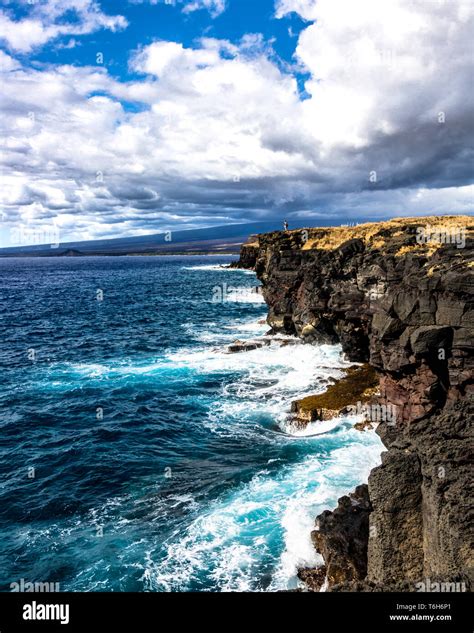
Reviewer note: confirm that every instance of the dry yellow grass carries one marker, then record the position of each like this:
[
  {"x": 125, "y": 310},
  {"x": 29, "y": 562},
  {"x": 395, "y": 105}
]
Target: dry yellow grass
[
  {"x": 426, "y": 249},
  {"x": 332, "y": 237}
]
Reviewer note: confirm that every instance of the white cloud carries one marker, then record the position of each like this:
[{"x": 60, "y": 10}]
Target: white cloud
[
  {"x": 165, "y": 57},
  {"x": 215, "y": 7},
  {"x": 381, "y": 67},
  {"x": 7, "y": 63},
  {"x": 305, "y": 8},
  {"x": 43, "y": 23},
  {"x": 222, "y": 134}
]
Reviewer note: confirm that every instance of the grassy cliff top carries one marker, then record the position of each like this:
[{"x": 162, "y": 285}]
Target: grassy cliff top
[
  {"x": 376, "y": 234},
  {"x": 399, "y": 234}
]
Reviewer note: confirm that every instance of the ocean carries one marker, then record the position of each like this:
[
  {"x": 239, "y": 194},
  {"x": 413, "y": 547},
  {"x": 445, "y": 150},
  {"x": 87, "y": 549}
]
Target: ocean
[{"x": 136, "y": 454}]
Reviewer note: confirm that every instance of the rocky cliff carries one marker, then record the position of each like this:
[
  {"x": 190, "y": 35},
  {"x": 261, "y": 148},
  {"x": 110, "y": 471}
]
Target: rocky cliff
[{"x": 398, "y": 295}]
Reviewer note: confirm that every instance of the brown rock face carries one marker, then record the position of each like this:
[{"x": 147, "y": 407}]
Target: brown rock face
[
  {"x": 341, "y": 537},
  {"x": 314, "y": 579},
  {"x": 395, "y": 546},
  {"x": 248, "y": 254},
  {"x": 408, "y": 310}
]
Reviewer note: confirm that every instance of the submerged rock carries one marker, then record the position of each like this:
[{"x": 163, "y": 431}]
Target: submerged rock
[{"x": 247, "y": 346}]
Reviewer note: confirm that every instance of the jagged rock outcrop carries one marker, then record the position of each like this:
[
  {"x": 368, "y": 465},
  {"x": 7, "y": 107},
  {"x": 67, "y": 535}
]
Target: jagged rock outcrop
[
  {"x": 404, "y": 304},
  {"x": 341, "y": 537}
]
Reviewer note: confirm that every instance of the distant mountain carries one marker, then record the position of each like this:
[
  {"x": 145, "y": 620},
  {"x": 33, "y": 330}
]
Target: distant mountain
[{"x": 217, "y": 239}]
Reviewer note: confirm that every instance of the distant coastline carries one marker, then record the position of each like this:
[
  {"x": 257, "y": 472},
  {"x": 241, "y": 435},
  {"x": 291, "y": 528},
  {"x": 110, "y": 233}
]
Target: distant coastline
[{"x": 159, "y": 254}]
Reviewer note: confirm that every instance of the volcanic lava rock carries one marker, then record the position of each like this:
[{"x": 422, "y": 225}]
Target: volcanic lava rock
[
  {"x": 244, "y": 346},
  {"x": 407, "y": 309},
  {"x": 341, "y": 537}
]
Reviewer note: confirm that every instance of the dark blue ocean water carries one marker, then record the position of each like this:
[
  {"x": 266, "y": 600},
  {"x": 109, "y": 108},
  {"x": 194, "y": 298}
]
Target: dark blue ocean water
[{"x": 135, "y": 453}]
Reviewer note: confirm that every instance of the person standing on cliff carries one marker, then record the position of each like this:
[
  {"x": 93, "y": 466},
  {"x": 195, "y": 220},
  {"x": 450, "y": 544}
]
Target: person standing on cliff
[{"x": 285, "y": 225}]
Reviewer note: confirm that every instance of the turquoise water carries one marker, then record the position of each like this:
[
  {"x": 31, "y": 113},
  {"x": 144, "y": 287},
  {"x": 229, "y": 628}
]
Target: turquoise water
[{"x": 136, "y": 454}]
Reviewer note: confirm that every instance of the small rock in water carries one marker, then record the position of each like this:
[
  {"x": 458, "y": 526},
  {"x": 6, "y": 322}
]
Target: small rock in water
[
  {"x": 364, "y": 425},
  {"x": 243, "y": 346}
]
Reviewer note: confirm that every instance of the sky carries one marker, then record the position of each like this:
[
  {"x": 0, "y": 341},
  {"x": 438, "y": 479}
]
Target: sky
[{"x": 133, "y": 117}]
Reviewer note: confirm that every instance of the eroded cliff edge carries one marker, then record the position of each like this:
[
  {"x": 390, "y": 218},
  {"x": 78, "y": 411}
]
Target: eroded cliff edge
[{"x": 398, "y": 295}]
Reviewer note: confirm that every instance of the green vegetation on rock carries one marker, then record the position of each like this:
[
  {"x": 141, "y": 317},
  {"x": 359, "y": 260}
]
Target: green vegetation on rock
[{"x": 359, "y": 385}]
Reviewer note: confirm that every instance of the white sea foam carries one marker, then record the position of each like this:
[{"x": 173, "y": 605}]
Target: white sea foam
[
  {"x": 252, "y": 327},
  {"x": 299, "y": 364},
  {"x": 217, "y": 267},
  {"x": 347, "y": 467},
  {"x": 264, "y": 524},
  {"x": 295, "y": 369},
  {"x": 312, "y": 429},
  {"x": 212, "y": 332},
  {"x": 237, "y": 533},
  {"x": 240, "y": 294},
  {"x": 266, "y": 381}
]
